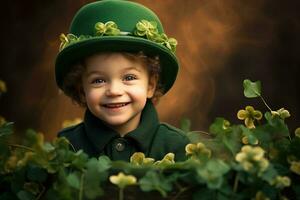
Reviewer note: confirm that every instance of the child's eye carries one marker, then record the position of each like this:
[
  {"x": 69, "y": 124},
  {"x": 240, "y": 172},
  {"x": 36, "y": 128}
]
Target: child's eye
[
  {"x": 98, "y": 81},
  {"x": 130, "y": 77}
]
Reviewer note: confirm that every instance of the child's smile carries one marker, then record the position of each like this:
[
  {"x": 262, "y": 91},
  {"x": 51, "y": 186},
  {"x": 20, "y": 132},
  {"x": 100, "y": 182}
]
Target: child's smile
[
  {"x": 116, "y": 89},
  {"x": 115, "y": 107}
]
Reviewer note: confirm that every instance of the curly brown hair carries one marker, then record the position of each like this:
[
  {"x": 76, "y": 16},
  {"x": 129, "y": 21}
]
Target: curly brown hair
[{"x": 72, "y": 84}]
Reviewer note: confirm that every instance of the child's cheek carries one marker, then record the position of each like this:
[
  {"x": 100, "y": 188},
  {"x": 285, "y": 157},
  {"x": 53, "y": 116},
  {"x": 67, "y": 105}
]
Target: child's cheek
[
  {"x": 93, "y": 95},
  {"x": 138, "y": 93}
]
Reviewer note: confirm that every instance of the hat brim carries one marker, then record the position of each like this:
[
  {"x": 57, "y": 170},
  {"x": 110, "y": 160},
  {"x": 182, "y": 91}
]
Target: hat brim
[{"x": 81, "y": 49}]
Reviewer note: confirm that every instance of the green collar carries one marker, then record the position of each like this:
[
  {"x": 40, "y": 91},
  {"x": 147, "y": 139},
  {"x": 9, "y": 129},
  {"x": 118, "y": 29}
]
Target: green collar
[{"x": 100, "y": 135}]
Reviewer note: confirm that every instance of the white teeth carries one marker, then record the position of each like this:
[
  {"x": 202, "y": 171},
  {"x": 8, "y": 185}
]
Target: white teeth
[{"x": 115, "y": 105}]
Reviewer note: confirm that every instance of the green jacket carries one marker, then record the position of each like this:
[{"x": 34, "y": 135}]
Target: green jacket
[{"x": 152, "y": 138}]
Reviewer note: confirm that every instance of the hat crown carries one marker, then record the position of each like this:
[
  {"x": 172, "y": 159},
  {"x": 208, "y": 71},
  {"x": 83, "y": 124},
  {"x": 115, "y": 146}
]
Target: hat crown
[{"x": 124, "y": 13}]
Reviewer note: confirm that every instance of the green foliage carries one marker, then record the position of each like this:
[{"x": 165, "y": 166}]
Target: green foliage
[
  {"x": 230, "y": 161},
  {"x": 6, "y": 129},
  {"x": 155, "y": 181}
]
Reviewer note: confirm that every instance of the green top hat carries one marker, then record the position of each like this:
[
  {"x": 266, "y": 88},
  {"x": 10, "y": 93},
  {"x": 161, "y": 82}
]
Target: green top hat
[{"x": 117, "y": 25}]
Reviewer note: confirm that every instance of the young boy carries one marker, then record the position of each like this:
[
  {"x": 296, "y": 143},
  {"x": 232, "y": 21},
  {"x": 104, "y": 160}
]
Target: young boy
[{"x": 116, "y": 61}]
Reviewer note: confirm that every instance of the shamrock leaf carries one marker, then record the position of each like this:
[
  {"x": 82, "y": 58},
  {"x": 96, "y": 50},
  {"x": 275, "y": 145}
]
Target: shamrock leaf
[
  {"x": 249, "y": 115},
  {"x": 138, "y": 158},
  {"x": 252, "y": 159},
  {"x": 66, "y": 40},
  {"x": 122, "y": 180},
  {"x": 73, "y": 180},
  {"x": 282, "y": 113},
  {"x": 109, "y": 28},
  {"x": 96, "y": 172},
  {"x": 170, "y": 43},
  {"x": 146, "y": 28},
  {"x": 154, "y": 181},
  {"x": 167, "y": 160},
  {"x": 252, "y": 89},
  {"x": 198, "y": 150}
]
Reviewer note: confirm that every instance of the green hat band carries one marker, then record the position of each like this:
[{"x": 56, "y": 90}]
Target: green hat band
[{"x": 144, "y": 29}]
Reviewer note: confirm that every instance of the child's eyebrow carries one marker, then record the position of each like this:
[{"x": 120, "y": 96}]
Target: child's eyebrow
[
  {"x": 93, "y": 72},
  {"x": 132, "y": 68}
]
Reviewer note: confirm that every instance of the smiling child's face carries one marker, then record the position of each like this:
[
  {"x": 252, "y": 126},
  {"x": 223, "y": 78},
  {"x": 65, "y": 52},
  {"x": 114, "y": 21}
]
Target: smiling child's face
[{"x": 116, "y": 89}]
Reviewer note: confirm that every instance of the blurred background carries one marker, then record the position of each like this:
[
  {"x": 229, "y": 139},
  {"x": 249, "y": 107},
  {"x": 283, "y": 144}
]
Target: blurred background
[{"x": 221, "y": 43}]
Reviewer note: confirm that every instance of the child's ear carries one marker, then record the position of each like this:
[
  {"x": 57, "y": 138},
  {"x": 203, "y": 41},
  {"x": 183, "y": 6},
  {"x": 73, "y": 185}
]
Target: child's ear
[{"x": 152, "y": 86}]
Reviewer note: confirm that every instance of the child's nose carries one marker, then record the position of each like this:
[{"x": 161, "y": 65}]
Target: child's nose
[{"x": 114, "y": 89}]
